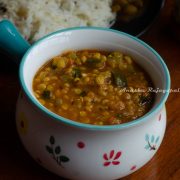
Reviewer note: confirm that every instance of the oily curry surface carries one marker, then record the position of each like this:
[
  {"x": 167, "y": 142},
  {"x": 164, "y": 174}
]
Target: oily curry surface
[{"x": 94, "y": 87}]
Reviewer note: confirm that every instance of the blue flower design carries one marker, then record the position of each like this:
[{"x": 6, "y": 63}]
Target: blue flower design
[{"x": 151, "y": 142}]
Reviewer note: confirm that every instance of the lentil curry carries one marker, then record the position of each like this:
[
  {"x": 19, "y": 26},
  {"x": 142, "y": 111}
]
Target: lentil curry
[
  {"x": 129, "y": 9},
  {"x": 94, "y": 87}
]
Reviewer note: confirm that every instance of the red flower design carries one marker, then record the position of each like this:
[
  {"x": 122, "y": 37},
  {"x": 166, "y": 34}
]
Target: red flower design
[
  {"x": 80, "y": 145},
  {"x": 159, "y": 117},
  {"x": 133, "y": 168},
  {"x": 112, "y": 158}
]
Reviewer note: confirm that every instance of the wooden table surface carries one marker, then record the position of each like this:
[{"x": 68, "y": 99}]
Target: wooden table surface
[{"x": 15, "y": 163}]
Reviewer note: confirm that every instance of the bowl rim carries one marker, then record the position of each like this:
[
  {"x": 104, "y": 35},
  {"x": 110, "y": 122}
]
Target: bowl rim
[{"x": 58, "y": 118}]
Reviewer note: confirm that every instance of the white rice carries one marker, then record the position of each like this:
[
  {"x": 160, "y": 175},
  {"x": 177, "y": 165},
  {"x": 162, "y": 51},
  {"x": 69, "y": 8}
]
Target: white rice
[{"x": 36, "y": 18}]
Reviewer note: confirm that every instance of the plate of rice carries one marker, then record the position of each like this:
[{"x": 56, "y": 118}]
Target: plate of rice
[{"x": 37, "y": 18}]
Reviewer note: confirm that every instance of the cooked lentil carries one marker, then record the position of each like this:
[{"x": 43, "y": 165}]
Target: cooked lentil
[
  {"x": 128, "y": 9},
  {"x": 94, "y": 87}
]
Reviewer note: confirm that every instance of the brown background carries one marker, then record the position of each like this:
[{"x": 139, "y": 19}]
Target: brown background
[{"x": 15, "y": 163}]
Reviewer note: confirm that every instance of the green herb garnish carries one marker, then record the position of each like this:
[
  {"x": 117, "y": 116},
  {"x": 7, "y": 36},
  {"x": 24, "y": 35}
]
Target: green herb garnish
[
  {"x": 83, "y": 93},
  {"x": 66, "y": 78},
  {"x": 119, "y": 116},
  {"x": 144, "y": 100},
  {"x": 54, "y": 66},
  {"x": 92, "y": 62},
  {"x": 119, "y": 79},
  {"x": 46, "y": 94},
  {"x": 76, "y": 73}
]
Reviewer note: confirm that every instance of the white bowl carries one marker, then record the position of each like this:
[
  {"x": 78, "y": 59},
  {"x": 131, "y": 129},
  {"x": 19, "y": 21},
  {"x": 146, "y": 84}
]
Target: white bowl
[{"x": 82, "y": 151}]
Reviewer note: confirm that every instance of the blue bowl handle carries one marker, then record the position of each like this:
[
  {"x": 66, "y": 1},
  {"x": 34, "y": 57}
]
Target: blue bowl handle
[{"x": 11, "y": 41}]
